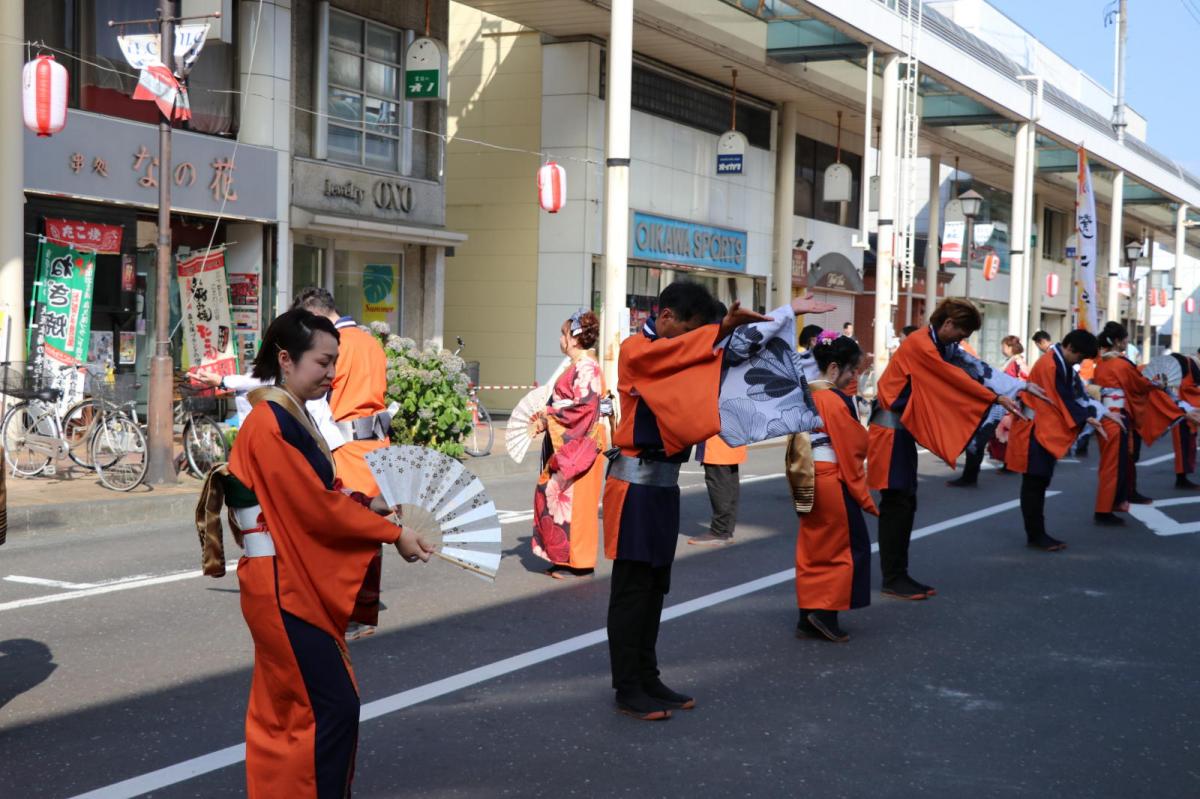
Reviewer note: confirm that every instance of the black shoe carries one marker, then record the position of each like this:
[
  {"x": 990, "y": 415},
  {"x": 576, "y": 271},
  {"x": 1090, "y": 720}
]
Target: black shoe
[
  {"x": 1108, "y": 519},
  {"x": 642, "y": 706},
  {"x": 804, "y": 629},
  {"x": 962, "y": 482},
  {"x": 1140, "y": 499},
  {"x": 904, "y": 588},
  {"x": 672, "y": 699},
  {"x": 1181, "y": 481},
  {"x": 1047, "y": 543},
  {"x": 928, "y": 589},
  {"x": 710, "y": 539},
  {"x": 825, "y": 622}
]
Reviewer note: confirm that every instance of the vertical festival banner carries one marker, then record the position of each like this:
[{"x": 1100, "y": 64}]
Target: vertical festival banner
[
  {"x": 207, "y": 322},
  {"x": 66, "y": 278},
  {"x": 1085, "y": 228}
]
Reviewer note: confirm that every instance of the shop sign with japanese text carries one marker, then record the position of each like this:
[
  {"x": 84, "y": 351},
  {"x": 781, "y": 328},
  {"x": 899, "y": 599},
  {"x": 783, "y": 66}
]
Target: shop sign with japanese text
[
  {"x": 86, "y": 236},
  {"x": 104, "y": 158},
  {"x": 66, "y": 278}
]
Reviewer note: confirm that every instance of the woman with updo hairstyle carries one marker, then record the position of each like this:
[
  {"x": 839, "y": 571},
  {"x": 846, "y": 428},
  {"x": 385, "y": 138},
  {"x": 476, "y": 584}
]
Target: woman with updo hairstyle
[
  {"x": 566, "y": 501},
  {"x": 1148, "y": 411},
  {"x": 1014, "y": 366},
  {"x": 833, "y": 550}
]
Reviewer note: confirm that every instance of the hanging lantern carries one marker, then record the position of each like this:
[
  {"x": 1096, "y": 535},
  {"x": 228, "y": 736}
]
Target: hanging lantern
[
  {"x": 991, "y": 266},
  {"x": 1162, "y": 298},
  {"x": 1189, "y": 305},
  {"x": 44, "y": 95},
  {"x": 1052, "y": 285},
  {"x": 552, "y": 187}
]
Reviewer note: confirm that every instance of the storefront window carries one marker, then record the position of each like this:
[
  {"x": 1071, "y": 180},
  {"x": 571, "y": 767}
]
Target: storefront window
[
  {"x": 812, "y": 159},
  {"x": 367, "y": 286},
  {"x": 308, "y": 266},
  {"x": 103, "y": 82}
]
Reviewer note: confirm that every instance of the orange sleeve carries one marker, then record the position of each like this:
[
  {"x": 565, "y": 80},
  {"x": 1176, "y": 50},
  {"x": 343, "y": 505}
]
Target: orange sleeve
[
  {"x": 293, "y": 497},
  {"x": 849, "y": 441},
  {"x": 678, "y": 379}
]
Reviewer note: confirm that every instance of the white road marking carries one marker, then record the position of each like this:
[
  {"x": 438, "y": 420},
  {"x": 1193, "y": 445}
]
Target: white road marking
[
  {"x": 1159, "y": 459},
  {"x": 123, "y": 584},
  {"x": 1160, "y": 523},
  {"x": 232, "y": 755},
  {"x": 18, "y": 578}
]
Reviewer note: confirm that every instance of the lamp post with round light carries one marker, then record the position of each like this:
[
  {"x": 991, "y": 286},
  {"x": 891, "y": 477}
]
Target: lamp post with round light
[{"x": 972, "y": 203}]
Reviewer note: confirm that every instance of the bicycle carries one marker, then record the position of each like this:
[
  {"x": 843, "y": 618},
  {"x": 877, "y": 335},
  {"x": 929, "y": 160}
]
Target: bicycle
[
  {"x": 30, "y": 428},
  {"x": 203, "y": 438},
  {"x": 477, "y": 442}
]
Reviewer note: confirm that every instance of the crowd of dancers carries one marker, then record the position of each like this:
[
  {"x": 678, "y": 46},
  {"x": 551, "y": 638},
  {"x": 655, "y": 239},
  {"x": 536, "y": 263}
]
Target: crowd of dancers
[{"x": 310, "y": 519}]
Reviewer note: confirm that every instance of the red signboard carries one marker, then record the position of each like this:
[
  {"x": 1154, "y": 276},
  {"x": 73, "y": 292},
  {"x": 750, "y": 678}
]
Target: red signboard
[{"x": 86, "y": 236}]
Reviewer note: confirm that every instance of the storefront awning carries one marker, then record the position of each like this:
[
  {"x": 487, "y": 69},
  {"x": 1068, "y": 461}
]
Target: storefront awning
[{"x": 329, "y": 224}]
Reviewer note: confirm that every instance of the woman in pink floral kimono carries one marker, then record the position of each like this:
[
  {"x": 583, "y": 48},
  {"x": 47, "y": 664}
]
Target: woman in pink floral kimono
[{"x": 567, "y": 499}]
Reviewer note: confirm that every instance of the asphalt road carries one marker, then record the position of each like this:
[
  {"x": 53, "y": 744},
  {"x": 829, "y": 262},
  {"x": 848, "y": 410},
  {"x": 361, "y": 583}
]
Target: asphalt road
[{"x": 1030, "y": 674}]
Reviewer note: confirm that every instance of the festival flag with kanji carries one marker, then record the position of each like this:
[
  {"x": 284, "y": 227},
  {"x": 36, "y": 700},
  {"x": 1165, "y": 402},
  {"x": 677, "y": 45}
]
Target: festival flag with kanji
[
  {"x": 1085, "y": 229},
  {"x": 156, "y": 83}
]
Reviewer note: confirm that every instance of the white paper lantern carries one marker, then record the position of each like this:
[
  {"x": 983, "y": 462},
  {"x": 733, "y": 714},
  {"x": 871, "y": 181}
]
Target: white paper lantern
[
  {"x": 1052, "y": 285},
  {"x": 44, "y": 95},
  {"x": 838, "y": 179},
  {"x": 552, "y": 187}
]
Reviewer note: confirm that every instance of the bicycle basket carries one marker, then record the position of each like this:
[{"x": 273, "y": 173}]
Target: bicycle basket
[
  {"x": 22, "y": 381},
  {"x": 120, "y": 390},
  {"x": 472, "y": 370}
]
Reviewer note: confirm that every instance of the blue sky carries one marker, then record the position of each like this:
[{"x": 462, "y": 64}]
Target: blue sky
[{"x": 1163, "y": 42}]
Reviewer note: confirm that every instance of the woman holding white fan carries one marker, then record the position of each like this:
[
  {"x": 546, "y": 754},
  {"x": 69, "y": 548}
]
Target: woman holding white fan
[{"x": 566, "y": 501}]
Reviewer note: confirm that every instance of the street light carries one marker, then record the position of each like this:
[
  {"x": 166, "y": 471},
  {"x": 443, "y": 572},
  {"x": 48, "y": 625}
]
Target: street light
[
  {"x": 971, "y": 202},
  {"x": 1133, "y": 253}
]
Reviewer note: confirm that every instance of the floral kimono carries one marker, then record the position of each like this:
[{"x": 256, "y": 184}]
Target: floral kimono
[{"x": 567, "y": 498}]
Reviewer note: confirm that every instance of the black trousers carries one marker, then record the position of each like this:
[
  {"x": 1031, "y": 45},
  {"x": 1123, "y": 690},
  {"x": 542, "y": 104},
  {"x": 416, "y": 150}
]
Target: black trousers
[
  {"x": 724, "y": 488},
  {"x": 1033, "y": 505},
  {"x": 972, "y": 464},
  {"x": 634, "y": 609},
  {"x": 897, "y": 513}
]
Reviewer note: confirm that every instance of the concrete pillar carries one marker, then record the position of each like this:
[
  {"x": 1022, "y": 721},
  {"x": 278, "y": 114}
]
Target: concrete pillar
[
  {"x": 1037, "y": 280},
  {"x": 1019, "y": 245},
  {"x": 932, "y": 251},
  {"x": 785, "y": 210},
  {"x": 616, "y": 183},
  {"x": 1177, "y": 278},
  {"x": 885, "y": 243},
  {"x": 434, "y": 295},
  {"x": 12, "y": 186},
  {"x": 1116, "y": 247},
  {"x": 1147, "y": 328}
]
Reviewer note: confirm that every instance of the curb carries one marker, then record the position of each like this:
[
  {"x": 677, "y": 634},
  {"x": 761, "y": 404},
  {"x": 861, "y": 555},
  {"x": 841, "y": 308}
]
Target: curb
[{"x": 38, "y": 519}]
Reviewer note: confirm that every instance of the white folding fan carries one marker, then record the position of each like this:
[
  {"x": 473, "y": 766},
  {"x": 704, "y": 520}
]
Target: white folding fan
[
  {"x": 1164, "y": 367},
  {"x": 519, "y": 435},
  {"x": 442, "y": 502}
]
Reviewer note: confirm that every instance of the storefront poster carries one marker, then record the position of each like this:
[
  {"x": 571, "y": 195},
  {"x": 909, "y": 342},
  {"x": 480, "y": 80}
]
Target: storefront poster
[
  {"x": 100, "y": 350},
  {"x": 247, "y": 344},
  {"x": 207, "y": 323},
  {"x": 379, "y": 283},
  {"x": 128, "y": 273},
  {"x": 243, "y": 290},
  {"x": 244, "y": 320},
  {"x": 128, "y": 347},
  {"x": 85, "y": 236},
  {"x": 64, "y": 314}
]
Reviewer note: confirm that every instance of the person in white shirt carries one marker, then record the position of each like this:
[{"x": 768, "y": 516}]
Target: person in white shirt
[{"x": 242, "y": 385}]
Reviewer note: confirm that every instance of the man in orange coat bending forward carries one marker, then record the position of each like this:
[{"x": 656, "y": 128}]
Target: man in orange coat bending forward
[{"x": 358, "y": 401}]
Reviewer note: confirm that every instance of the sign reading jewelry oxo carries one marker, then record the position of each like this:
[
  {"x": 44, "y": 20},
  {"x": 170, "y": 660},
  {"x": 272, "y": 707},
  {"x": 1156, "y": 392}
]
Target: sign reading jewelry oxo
[{"x": 659, "y": 238}]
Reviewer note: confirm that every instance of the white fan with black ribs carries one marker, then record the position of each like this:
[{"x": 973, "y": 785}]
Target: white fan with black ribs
[
  {"x": 442, "y": 502},
  {"x": 1165, "y": 369},
  {"x": 518, "y": 436}
]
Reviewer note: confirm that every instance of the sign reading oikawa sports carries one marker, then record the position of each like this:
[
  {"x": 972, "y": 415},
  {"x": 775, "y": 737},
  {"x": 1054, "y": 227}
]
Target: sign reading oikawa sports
[{"x": 659, "y": 238}]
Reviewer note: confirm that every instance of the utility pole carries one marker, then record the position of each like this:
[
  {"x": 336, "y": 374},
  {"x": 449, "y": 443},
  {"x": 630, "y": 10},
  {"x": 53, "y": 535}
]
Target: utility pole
[
  {"x": 161, "y": 439},
  {"x": 1119, "y": 107},
  {"x": 616, "y": 173}
]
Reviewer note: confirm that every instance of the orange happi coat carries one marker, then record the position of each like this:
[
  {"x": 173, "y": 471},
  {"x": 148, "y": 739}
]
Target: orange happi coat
[{"x": 359, "y": 390}]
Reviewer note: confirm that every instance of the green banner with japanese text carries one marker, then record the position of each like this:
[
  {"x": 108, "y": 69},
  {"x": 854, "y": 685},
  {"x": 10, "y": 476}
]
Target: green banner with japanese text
[{"x": 66, "y": 278}]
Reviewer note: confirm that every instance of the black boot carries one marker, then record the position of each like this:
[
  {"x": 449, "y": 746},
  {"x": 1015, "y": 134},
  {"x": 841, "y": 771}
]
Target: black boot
[
  {"x": 804, "y": 628},
  {"x": 1108, "y": 519},
  {"x": 672, "y": 699},
  {"x": 826, "y": 623},
  {"x": 642, "y": 706},
  {"x": 971, "y": 466},
  {"x": 1182, "y": 481}
]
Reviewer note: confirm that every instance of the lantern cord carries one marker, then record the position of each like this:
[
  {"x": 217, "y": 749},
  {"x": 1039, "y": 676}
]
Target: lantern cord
[
  {"x": 839, "y": 138},
  {"x": 427, "y": 4},
  {"x": 445, "y": 138},
  {"x": 733, "y": 104}
]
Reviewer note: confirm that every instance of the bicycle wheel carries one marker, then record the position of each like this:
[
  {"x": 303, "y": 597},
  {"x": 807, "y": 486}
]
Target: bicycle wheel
[
  {"x": 22, "y": 421},
  {"x": 79, "y": 423},
  {"x": 478, "y": 441},
  {"x": 203, "y": 444},
  {"x": 119, "y": 452}
]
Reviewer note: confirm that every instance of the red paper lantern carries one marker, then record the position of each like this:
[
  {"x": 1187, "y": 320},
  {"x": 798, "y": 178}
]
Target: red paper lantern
[
  {"x": 1189, "y": 305},
  {"x": 552, "y": 187},
  {"x": 44, "y": 95},
  {"x": 1162, "y": 298},
  {"x": 991, "y": 266},
  {"x": 1052, "y": 285}
]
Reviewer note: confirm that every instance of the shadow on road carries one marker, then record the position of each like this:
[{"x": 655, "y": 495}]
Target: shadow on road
[{"x": 24, "y": 664}]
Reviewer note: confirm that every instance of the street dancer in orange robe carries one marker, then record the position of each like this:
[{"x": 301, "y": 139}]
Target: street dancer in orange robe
[
  {"x": 669, "y": 379},
  {"x": 358, "y": 401},
  {"x": 924, "y": 396},
  {"x": 307, "y": 544},
  {"x": 833, "y": 549},
  {"x": 1183, "y": 436},
  {"x": 1051, "y": 424},
  {"x": 1148, "y": 410}
]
